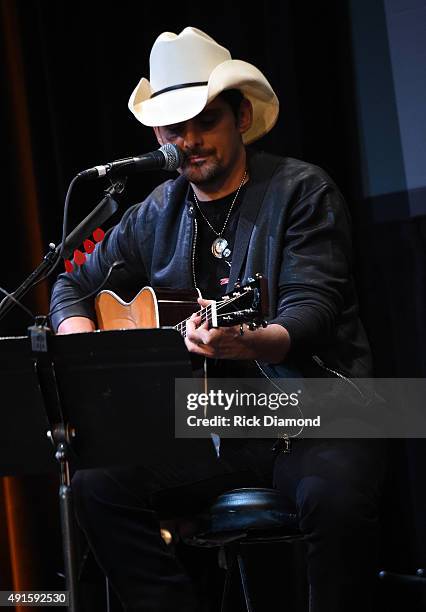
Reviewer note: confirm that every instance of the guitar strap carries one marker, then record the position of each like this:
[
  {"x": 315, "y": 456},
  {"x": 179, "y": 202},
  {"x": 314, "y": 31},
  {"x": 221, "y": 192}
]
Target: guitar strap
[{"x": 214, "y": 436}]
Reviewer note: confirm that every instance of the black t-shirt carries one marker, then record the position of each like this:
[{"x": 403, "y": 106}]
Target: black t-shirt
[{"x": 212, "y": 273}]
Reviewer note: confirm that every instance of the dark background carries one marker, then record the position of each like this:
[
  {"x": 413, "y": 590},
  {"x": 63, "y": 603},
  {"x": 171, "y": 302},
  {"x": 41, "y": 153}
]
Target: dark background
[{"x": 66, "y": 72}]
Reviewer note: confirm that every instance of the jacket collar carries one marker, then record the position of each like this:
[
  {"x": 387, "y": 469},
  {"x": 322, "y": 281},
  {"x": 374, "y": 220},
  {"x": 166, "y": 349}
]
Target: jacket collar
[{"x": 261, "y": 168}]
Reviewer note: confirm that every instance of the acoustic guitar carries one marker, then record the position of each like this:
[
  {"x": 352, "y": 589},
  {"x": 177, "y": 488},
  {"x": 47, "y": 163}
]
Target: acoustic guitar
[{"x": 153, "y": 308}]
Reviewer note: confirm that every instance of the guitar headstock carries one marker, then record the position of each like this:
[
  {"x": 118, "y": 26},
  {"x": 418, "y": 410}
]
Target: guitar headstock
[{"x": 247, "y": 303}]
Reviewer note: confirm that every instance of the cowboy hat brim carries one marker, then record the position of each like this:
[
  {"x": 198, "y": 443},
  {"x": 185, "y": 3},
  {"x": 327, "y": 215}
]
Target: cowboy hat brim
[{"x": 182, "y": 104}]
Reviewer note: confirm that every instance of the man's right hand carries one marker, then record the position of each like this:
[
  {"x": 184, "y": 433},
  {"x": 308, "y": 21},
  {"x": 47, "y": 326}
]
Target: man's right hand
[{"x": 76, "y": 325}]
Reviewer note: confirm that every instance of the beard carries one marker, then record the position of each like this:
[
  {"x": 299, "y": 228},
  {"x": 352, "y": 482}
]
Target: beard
[{"x": 204, "y": 172}]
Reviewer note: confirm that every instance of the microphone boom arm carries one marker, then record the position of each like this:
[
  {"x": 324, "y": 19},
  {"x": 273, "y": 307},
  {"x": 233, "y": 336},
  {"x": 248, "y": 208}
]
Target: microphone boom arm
[{"x": 103, "y": 211}]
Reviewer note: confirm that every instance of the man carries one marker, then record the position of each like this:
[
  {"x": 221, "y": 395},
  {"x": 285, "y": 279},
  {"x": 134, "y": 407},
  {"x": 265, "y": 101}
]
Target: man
[{"x": 231, "y": 213}]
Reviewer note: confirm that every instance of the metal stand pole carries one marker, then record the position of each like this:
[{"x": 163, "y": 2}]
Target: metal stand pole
[{"x": 61, "y": 437}]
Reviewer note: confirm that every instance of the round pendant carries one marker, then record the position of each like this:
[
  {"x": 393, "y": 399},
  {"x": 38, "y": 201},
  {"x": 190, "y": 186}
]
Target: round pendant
[{"x": 219, "y": 248}]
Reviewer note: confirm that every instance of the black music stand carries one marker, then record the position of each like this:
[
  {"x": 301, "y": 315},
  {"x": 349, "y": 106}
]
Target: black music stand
[{"x": 103, "y": 399}]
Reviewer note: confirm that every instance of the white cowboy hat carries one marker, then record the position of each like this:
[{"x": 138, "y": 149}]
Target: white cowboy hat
[{"x": 188, "y": 71}]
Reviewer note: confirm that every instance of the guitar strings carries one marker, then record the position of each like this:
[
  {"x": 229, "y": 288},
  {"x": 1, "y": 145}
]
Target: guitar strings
[
  {"x": 206, "y": 313},
  {"x": 181, "y": 327}
]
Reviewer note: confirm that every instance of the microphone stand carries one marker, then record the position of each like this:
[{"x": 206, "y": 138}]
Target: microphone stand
[
  {"x": 60, "y": 433},
  {"x": 103, "y": 211}
]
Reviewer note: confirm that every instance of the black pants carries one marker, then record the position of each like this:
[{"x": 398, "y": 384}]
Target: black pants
[{"x": 334, "y": 485}]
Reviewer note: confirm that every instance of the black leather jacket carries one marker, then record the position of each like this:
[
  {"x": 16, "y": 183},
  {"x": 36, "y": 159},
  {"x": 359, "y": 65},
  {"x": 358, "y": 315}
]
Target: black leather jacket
[{"x": 294, "y": 228}]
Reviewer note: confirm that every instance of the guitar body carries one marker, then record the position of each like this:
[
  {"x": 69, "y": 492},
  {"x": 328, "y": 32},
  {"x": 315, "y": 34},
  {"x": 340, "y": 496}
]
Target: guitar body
[{"x": 150, "y": 308}]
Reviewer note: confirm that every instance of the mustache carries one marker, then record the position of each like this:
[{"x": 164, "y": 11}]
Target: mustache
[{"x": 196, "y": 153}]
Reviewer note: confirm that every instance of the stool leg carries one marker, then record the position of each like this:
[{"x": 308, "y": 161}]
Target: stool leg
[
  {"x": 107, "y": 594},
  {"x": 230, "y": 556},
  {"x": 244, "y": 582}
]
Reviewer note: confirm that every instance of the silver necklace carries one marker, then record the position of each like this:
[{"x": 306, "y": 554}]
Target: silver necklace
[{"x": 219, "y": 246}]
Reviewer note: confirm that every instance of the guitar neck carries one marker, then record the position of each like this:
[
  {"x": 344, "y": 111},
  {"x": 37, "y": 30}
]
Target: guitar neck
[
  {"x": 246, "y": 304},
  {"x": 207, "y": 314}
]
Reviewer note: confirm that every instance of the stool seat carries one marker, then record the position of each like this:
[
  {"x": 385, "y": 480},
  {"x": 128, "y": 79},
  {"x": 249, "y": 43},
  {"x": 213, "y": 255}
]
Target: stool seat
[
  {"x": 252, "y": 514},
  {"x": 240, "y": 517}
]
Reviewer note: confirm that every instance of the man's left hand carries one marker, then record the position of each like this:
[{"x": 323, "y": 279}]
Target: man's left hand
[{"x": 269, "y": 344}]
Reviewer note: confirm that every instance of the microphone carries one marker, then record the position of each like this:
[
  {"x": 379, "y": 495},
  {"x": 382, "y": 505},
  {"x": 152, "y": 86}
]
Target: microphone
[{"x": 168, "y": 157}]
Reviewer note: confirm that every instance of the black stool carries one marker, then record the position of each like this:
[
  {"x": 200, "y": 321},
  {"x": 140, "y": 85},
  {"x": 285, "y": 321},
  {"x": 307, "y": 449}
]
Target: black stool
[{"x": 244, "y": 516}]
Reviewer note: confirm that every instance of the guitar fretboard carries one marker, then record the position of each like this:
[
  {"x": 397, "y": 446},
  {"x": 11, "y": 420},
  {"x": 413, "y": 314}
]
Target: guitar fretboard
[{"x": 204, "y": 313}]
